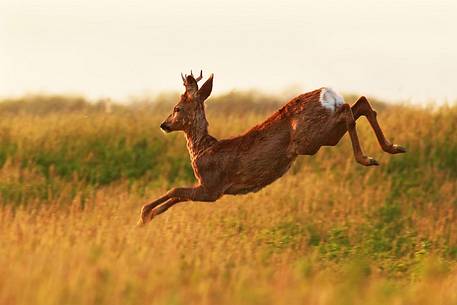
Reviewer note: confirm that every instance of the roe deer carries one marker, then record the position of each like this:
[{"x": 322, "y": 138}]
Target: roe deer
[{"x": 249, "y": 162}]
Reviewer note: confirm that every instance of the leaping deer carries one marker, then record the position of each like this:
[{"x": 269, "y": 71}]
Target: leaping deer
[{"x": 249, "y": 162}]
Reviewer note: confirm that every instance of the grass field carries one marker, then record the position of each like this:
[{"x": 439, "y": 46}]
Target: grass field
[{"x": 73, "y": 179}]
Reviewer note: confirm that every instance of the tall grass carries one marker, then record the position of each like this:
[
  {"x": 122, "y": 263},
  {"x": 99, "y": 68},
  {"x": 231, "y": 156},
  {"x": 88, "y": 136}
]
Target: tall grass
[{"x": 72, "y": 181}]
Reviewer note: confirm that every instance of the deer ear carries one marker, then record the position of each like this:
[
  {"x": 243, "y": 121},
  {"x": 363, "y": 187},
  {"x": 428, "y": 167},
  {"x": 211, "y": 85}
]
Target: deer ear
[{"x": 206, "y": 88}]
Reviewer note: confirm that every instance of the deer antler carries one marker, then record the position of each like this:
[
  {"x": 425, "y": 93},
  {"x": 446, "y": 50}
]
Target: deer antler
[
  {"x": 190, "y": 82},
  {"x": 198, "y": 78}
]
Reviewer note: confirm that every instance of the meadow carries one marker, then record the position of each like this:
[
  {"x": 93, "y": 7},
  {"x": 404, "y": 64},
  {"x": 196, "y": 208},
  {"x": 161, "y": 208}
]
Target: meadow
[{"x": 73, "y": 177}]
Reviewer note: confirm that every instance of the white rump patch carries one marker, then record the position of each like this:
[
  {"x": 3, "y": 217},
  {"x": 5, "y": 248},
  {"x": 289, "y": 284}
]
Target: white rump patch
[{"x": 330, "y": 99}]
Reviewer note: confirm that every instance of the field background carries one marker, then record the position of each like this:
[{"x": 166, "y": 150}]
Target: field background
[{"x": 73, "y": 177}]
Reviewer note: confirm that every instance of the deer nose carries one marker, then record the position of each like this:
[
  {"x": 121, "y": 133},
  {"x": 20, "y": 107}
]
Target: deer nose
[{"x": 164, "y": 127}]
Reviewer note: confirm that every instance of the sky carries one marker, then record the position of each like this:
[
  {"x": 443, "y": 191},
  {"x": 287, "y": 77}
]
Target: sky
[{"x": 396, "y": 50}]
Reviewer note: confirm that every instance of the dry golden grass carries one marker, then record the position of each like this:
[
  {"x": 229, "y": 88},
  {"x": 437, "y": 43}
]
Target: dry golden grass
[{"x": 329, "y": 232}]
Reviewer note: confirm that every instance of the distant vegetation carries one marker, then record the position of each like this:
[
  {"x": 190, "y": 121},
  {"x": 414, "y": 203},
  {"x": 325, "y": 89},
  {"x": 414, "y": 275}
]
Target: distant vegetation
[{"x": 74, "y": 174}]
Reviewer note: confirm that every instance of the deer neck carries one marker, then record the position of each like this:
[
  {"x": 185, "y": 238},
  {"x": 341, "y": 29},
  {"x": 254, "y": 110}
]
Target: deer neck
[{"x": 198, "y": 139}]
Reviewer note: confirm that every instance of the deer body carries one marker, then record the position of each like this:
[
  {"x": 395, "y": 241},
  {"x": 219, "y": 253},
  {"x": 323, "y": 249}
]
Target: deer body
[
  {"x": 249, "y": 162},
  {"x": 255, "y": 159}
]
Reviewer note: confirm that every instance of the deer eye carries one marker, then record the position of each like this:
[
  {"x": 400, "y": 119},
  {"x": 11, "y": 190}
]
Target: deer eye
[{"x": 177, "y": 109}]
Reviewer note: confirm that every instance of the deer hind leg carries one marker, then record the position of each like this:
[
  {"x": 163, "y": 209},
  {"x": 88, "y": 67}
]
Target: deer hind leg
[
  {"x": 363, "y": 107},
  {"x": 350, "y": 125},
  {"x": 174, "y": 196}
]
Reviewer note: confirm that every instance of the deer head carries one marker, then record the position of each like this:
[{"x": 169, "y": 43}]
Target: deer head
[{"x": 189, "y": 113}]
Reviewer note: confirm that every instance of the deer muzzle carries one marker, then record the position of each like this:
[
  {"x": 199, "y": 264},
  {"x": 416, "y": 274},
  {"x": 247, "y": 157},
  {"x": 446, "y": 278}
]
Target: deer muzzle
[{"x": 165, "y": 127}]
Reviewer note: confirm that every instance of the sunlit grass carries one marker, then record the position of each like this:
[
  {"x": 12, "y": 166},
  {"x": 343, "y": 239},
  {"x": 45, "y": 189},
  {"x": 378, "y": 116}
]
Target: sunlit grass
[{"x": 328, "y": 232}]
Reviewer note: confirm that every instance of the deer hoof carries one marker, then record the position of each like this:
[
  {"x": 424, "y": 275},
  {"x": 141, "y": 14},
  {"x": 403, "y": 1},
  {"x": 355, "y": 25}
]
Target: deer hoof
[
  {"x": 145, "y": 216},
  {"x": 397, "y": 149},
  {"x": 372, "y": 162},
  {"x": 140, "y": 223},
  {"x": 368, "y": 161}
]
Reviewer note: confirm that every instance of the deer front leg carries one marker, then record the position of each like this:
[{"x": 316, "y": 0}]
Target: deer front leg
[
  {"x": 363, "y": 107},
  {"x": 145, "y": 214},
  {"x": 148, "y": 213},
  {"x": 174, "y": 196}
]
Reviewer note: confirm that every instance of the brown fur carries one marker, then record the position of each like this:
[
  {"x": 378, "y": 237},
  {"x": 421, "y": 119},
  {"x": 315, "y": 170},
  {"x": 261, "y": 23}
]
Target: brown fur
[{"x": 249, "y": 162}]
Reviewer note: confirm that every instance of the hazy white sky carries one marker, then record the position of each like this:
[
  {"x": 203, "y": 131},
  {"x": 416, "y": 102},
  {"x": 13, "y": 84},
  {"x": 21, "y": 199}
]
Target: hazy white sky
[{"x": 390, "y": 49}]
